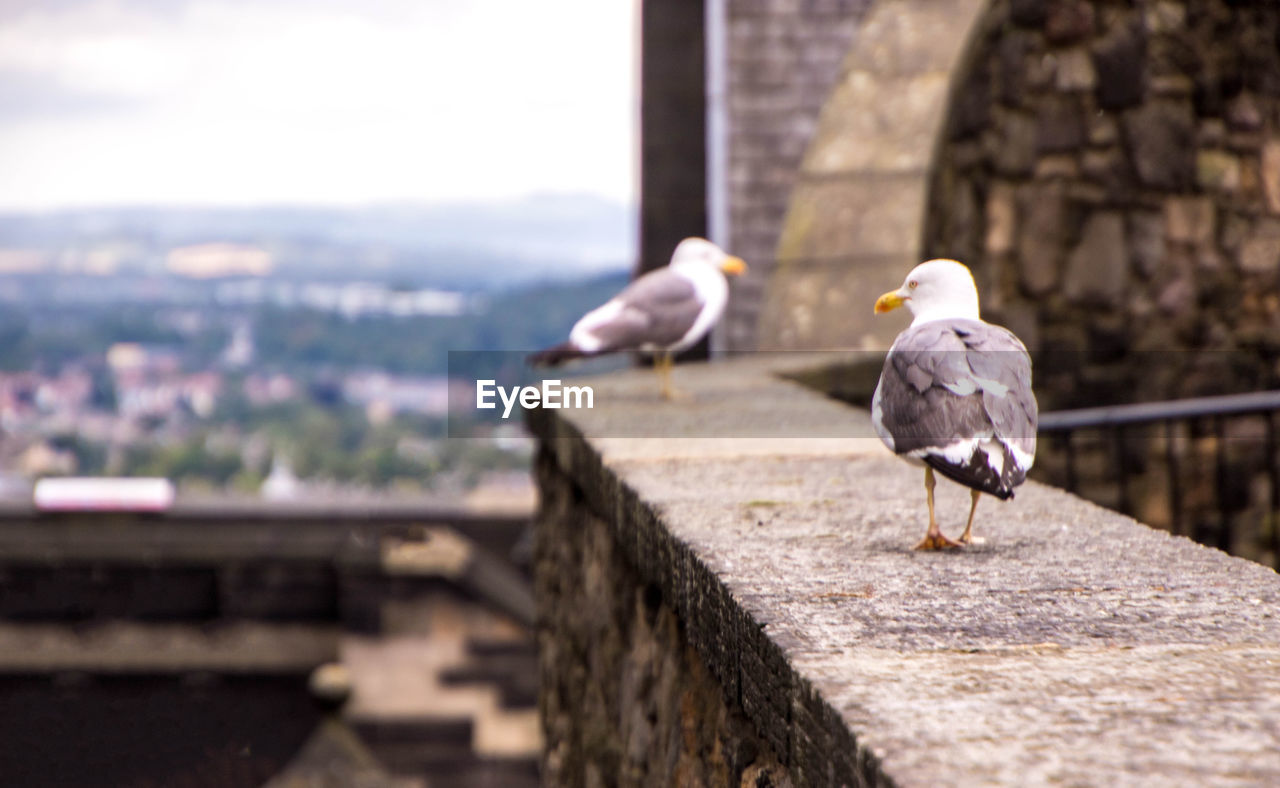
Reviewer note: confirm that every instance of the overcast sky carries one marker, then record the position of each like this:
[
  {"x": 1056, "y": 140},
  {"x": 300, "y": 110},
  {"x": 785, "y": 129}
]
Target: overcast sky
[{"x": 241, "y": 102}]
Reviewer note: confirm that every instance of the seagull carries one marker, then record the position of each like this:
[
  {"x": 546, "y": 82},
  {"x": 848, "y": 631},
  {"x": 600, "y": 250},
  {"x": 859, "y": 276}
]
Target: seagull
[
  {"x": 955, "y": 392},
  {"x": 662, "y": 312}
]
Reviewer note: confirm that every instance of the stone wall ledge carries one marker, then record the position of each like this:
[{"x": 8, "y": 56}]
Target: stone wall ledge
[{"x": 1074, "y": 646}]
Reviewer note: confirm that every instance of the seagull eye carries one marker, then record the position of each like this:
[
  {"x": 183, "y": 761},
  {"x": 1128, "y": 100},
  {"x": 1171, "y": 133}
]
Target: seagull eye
[{"x": 912, "y": 284}]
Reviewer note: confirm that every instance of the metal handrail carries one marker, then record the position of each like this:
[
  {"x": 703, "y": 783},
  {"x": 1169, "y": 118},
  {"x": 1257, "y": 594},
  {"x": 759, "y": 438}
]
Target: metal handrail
[
  {"x": 1116, "y": 418},
  {"x": 1171, "y": 410}
]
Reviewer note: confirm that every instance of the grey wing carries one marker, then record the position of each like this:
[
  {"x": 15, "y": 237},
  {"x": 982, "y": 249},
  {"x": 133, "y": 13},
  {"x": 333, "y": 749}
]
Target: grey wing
[
  {"x": 1001, "y": 365},
  {"x": 918, "y": 407},
  {"x": 946, "y": 383},
  {"x": 658, "y": 309}
]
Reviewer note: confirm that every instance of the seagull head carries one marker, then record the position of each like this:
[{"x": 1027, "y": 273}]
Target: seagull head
[
  {"x": 700, "y": 251},
  {"x": 936, "y": 290}
]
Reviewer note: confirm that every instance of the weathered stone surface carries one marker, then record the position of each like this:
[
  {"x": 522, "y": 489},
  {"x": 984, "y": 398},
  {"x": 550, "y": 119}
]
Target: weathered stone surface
[
  {"x": 1011, "y": 51},
  {"x": 1002, "y": 218},
  {"x": 1102, "y": 129},
  {"x": 1015, "y": 152},
  {"x": 1175, "y": 86},
  {"x": 1106, "y": 167},
  {"x": 847, "y": 217},
  {"x": 1161, "y": 139},
  {"x": 988, "y": 666},
  {"x": 856, "y": 141},
  {"x": 860, "y": 199},
  {"x": 1119, "y": 60},
  {"x": 1146, "y": 241},
  {"x": 1060, "y": 125},
  {"x": 1041, "y": 237},
  {"x": 1189, "y": 219},
  {"x": 625, "y": 699},
  {"x": 1068, "y": 20},
  {"x": 1218, "y": 170},
  {"x": 1270, "y": 173},
  {"x": 1075, "y": 70},
  {"x": 1260, "y": 251},
  {"x": 1062, "y": 165},
  {"x": 1098, "y": 268},
  {"x": 1243, "y": 113},
  {"x": 1165, "y": 16},
  {"x": 1028, "y": 13},
  {"x": 1177, "y": 296}
]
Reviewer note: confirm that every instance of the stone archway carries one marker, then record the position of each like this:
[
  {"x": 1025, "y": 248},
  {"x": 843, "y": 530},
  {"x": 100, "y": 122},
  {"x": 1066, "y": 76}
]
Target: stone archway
[
  {"x": 1111, "y": 172},
  {"x": 856, "y": 217}
]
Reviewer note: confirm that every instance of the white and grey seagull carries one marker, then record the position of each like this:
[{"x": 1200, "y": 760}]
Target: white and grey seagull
[
  {"x": 955, "y": 392},
  {"x": 662, "y": 312}
]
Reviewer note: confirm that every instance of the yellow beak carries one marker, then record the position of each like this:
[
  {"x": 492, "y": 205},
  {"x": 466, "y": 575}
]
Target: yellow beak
[
  {"x": 733, "y": 266},
  {"x": 889, "y": 302}
]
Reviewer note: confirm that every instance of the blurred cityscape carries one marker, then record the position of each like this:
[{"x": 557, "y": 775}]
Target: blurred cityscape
[{"x": 282, "y": 353}]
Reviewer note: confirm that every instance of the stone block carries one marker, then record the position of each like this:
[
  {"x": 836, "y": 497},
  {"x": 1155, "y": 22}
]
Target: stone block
[
  {"x": 1011, "y": 52},
  {"x": 1146, "y": 241},
  {"x": 1002, "y": 218},
  {"x": 1161, "y": 141},
  {"x": 1177, "y": 297},
  {"x": 1106, "y": 166},
  {"x": 1211, "y": 133},
  {"x": 1218, "y": 170},
  {"x": 1098, "y": 267},
  {"x": 1189, "y": 219},
  {"x": 1102, "y": 129},
  {"x": 1165, "y": 16},
  {"x": 1243, "y": 113},
  {"x": 1041, "y": 236},
  {"x": 1068, "y": 20},
  {"x": 1075, "y": 70},
  {"x": 1061, "y": 165},
  {"x": 1014, "y": 150},
  {"x": 1171, "y": 85},
  {"x": 1260, "y": 254},
  {"x": 1119, "y": 61},
  {"x": 1270, "y": 173},
  {"x": 1059, "y": 125},
  {"x": 1027, "y": 13}
]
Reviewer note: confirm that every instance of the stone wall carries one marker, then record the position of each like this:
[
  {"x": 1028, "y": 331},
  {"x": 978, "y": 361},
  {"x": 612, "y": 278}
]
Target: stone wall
[
  {"x": 784, "y": 58},
  {"x": 1111, "y": 171},
  {"x": 730, "y": 610},
  {"x": 625, "y": 699}
]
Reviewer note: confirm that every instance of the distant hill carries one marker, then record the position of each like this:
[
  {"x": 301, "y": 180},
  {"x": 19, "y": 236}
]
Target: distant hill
[{"x": 466, "y": 246}]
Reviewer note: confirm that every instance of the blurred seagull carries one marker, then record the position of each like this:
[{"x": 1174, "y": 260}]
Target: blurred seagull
[
  {"x": 955, "y": 392},
  {"x": 662, "y": 312}
]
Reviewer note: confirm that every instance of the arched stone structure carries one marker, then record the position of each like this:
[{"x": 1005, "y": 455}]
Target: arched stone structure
[
  {"x": 858, "y": 207},
  {"x": 1111, "y": 172}
]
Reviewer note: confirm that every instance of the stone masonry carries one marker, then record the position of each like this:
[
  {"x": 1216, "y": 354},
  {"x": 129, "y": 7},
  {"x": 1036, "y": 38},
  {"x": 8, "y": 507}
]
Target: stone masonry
[
  {"x": 729, "y": 597},
  {"x": 853, "y": 227},
  {"x": 783, "y": 59},
  {"x": 1111, "y": 171},
  {"x": 625, "y": 699},
  {"x": 1112, "y": 174}
]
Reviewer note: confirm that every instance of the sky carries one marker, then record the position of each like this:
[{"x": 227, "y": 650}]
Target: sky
[{"x": 332, "y": 102}]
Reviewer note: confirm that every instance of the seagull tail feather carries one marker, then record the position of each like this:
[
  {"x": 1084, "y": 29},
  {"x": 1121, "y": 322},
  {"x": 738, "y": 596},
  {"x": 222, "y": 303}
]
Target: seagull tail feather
[{"x": 555, "y": 355}]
